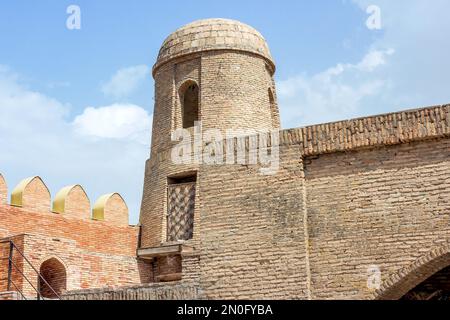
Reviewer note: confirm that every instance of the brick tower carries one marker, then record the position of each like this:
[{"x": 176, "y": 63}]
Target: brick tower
[{"x": 216, "y": 71}]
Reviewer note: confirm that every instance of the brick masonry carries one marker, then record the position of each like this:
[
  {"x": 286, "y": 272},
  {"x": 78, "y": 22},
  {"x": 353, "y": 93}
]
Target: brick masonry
[
  {"x": 94, "y": 253},
  {"x": 8, "y": 296},
  {"x": 348, "y": 196},
  {"x": 384, "y": 207},
  {"x": 142, "y": 292}
]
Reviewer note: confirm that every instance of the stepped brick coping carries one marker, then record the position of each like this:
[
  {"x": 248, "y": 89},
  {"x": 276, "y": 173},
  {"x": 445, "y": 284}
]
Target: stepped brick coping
[
  {"x": 32, "y": 194},
  {"x": 379, "y": 130}
]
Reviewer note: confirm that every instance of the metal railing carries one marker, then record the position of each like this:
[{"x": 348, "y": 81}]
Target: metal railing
[{"x": 13, "y": 266}]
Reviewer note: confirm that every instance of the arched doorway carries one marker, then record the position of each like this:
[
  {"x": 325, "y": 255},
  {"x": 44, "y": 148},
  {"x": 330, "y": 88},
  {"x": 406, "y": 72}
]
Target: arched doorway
[
  {"x": 436, "y": 287},
  {"x": 54, "y": 273},
  {"x": 428, "y": 278}
]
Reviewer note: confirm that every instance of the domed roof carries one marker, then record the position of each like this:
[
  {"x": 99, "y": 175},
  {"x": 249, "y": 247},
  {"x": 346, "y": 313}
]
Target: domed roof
[{"x": 213, "y": 34}]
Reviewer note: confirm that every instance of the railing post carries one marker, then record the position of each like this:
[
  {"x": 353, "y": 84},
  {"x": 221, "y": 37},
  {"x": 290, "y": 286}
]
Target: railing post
[
  {"x": 11, "y": 251},
  {"x": 39, "y": 288}
]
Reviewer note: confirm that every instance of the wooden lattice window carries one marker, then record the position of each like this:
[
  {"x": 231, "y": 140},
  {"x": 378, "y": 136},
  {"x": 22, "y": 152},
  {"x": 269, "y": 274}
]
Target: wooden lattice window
[{"x": 180, "y": 216}]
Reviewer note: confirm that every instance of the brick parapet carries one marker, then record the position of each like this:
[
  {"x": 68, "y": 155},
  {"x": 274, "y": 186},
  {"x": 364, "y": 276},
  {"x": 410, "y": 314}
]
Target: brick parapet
[
  {"x": 32, "y": 195},
  {"x": 380, "y": 130}
]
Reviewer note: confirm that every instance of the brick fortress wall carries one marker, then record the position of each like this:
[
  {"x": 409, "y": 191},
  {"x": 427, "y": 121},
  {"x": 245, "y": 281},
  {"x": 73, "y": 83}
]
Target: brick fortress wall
[
  {"x": 349, "y": 195},
  {"x": 302, "y": 232},
  {"x": 96, "y": 250}
]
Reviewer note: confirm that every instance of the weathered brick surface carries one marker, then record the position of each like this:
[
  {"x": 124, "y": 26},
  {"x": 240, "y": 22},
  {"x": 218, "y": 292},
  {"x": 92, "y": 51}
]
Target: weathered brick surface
[
  {"x": 384, "y": 207},
  {"x": 3, "y": 190},
  {"x": 33, "y": 194},
  {"x": 174, "y": 291},
  {"x": 115, "y": 210},
  {"x": 251, "y": 230},
  {"x": 93, "y": 253},
  {"x": 213, "y": 34},
  {"x": 348, "y": 195},
  {"x": 16, "y": 277},
  {"x": 9, "y": 296},
  {"x": 75, "y": 203},
  {"x": 231, "y": 80},
  {"x": 380, "y": 130}
]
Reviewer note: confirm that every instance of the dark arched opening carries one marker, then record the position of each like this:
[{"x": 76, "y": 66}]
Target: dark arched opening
[
  {"x": 426, "y": 278},
  {"x": 54, "y": 273},
  {"x": 273, "y": 108},
  {"x": 436, "y": 287},
  {"x": 190, "y": 99}
]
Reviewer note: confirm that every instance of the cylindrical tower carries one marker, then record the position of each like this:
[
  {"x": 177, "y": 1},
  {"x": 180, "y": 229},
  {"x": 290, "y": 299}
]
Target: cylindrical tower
[{"x": 216, "y": 71}]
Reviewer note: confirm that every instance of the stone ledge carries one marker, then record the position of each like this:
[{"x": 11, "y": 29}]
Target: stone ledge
[{"x": 166, "y": 250}]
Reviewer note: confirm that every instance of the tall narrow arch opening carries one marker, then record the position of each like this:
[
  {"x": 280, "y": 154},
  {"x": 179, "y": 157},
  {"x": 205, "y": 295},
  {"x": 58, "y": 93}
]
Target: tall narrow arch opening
[
  {"x": 189, "y": 97},
  {"x": 55, "y": 276},
  {"x": 273, "y": 108}
]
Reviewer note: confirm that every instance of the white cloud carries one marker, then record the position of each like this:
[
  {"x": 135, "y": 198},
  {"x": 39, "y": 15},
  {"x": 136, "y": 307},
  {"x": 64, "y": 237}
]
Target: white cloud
[
  {"x": 118, "y": 121},
  {"x": 333, "y": 94},
  {"x": 19, "y": 103},
  {"x": 374, "y": 59},
  {"x": 125, "y": 81},
  {"x": 406, "y": 66},
  {"x": 38, "y": 138}
]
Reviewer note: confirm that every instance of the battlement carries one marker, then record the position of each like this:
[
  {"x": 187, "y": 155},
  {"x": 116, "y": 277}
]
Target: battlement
[{"x": 72, "y": 201}]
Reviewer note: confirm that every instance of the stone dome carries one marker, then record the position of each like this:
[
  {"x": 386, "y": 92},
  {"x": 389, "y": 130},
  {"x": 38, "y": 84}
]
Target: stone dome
[{"x": 213, "y": 34}]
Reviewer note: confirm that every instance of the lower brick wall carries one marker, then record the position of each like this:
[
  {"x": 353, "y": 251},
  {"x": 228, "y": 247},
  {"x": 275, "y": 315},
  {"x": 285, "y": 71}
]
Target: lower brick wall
[
  {"x": 4, "y": 254},
  {"x": 84, "y": 268},
  {"x": 16, "y": 277},
  {"x": 5, "y": 296},
  {"x": 385, "y": 207},
  {"x": 251, "y": 231},
  {"x": 93, "y": 253},
  {"x": 173, "y": 291}
]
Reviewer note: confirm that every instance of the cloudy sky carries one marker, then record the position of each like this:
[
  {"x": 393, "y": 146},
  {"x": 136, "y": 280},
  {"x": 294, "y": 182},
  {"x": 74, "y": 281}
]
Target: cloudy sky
[{"x": 76, "y": 105}]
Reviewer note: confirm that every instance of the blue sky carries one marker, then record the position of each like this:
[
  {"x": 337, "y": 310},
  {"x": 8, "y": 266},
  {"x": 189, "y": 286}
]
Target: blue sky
[{"x": 76, "y": 105}]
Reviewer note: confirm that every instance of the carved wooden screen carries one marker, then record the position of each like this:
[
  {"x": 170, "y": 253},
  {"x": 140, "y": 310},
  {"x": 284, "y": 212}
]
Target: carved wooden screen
[{"x": 180, "y": 217}]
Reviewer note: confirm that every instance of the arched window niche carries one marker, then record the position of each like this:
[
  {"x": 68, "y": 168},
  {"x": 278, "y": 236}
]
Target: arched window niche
[
  {"x": 273, "y": 107},
  {"x": 189, "y": 98},
  {"x": 55, "y": 275}
]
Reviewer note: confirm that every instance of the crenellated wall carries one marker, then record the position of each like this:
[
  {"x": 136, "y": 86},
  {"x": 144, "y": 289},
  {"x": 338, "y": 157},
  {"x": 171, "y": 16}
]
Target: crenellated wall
[
  {"x": 348, "y": 196},
  {"x": 97, "y": 249},
  {"x": 71, "y": 201}
]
